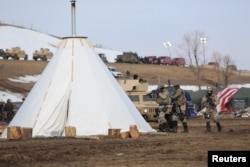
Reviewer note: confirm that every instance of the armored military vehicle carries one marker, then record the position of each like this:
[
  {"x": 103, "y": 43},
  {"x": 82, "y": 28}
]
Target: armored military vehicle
[
  {"x": 138, "y": 93},
  {"x": 128, "y": 57},
  {"x": 2, "y": 53},
  {"x": 15, "y": 53},
  {"x": 43, "y": 54}
]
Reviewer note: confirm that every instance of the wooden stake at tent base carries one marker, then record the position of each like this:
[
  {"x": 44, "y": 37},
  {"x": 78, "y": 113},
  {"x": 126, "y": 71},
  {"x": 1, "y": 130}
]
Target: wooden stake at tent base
[
  {"x": 124, "y": 135},
  {"x": 133, "y": 131},
  {"x": 114, "y": 133},
  {"x": 14, "y": 133},
  {"x": 70, "y": 131},
  {"x": 26, "y": 133}
]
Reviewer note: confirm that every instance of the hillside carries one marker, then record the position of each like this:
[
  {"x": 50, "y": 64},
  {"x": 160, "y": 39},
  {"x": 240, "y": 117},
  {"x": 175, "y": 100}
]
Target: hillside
[
  {"x": 30, "y": 40},
  {"x": 154, "y": 74},
  {"x": 161, "y": 74}
]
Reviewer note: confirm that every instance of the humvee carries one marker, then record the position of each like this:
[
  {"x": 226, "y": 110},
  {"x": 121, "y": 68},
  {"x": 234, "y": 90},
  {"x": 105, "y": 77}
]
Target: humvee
[
  {"x": 43, "y": 54},
  {"x": 128, "y": 57},
  {"x": 15, "y": 53},
  {"x": 138, "y": 93}
]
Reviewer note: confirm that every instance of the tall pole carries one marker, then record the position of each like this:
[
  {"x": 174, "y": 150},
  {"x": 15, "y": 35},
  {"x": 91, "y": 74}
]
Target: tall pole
[
  {"x": 73, "y": 17},
  {"x": 203, "y": 41},
  {"x": 167, "y": 45}
]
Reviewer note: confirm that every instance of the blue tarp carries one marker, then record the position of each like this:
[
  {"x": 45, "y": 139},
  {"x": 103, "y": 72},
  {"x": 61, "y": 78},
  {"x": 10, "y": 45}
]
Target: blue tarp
[{"x": 190, "y": 105}]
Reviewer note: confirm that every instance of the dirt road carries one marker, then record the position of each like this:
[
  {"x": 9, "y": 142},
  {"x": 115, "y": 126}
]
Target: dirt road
[{"x": 165, "y": 149}]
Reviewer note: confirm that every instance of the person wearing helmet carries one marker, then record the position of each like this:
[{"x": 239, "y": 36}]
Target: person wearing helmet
[
  {"x": 8, "y": 108},
  {"x": 210, "y": 101},
  {"x": 179, "y": 108},
  {"x": 164, "y": 100}
]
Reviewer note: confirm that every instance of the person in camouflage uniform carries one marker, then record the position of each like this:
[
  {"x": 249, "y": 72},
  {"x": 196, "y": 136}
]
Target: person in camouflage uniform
[
  {"x": 210, "y": 101},
  {"x": 8, "y": 108},
  {"x": 164, "y": 116},
  {"x": 2, "y": 115},
  {"x": 179, "y": 109}
]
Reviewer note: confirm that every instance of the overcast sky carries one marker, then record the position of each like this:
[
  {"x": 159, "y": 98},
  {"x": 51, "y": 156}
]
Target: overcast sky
[{"x": 142, "y": 26}]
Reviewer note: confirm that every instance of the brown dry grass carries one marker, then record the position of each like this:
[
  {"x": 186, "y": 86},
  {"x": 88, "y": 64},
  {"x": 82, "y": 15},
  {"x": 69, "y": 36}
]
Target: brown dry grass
[
  {"x": 154, "y": 74},
  {"x": 160, "y": 74}
]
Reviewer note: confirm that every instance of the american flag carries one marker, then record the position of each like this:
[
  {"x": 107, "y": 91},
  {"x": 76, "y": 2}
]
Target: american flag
[{"x": 225, "y": 96}]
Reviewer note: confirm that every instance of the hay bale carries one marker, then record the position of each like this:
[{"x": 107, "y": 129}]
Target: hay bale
[
  {"x": 26, "y": 133},
  {"x": 133, "y": 131},
  {"x": 14, "y": 133},
  {"x": 124, "y": 135},
  {"x": 70, "y": 131},
  {"x": 114, "y": 133}
]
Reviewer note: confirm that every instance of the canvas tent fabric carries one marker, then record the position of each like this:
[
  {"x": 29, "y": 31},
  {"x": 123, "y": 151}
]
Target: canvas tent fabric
[
  {"x": 242, "y": 94},
  {"x": 76, "y": 89},
  {"x": 196, "y": 98}
]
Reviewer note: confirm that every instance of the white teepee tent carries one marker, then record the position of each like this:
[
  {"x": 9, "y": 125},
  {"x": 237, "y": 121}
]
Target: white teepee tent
[{"x": 76, "y": 89}]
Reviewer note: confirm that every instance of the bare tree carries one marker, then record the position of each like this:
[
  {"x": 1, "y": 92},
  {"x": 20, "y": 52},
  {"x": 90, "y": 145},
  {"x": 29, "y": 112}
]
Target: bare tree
[
  {"x": 217, "y": 57},
  {"x": 223, "y": 70},
  {"x": 193, "y": 49},
  {"x": 227, "y": 72}
]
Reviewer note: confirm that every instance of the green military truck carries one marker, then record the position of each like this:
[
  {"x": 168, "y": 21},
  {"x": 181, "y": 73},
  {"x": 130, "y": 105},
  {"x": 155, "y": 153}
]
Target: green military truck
[
  {"x": 128, "y": 57},
  {"x": 138, "y": 93}
]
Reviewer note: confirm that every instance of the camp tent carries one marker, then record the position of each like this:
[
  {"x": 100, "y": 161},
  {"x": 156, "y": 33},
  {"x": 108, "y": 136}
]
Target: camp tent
[
  {"x": 242, "y": 94},
  {"x": 76, "y": 89},
  {"x": 196, "y": 98}
]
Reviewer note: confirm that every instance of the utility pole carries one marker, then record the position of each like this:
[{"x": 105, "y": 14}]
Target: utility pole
[
  {"x": 167, "y": 45},
  {"x": 203, "y": 41}
]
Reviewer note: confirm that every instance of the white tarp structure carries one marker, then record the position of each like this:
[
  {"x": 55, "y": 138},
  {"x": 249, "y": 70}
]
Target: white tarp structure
[{"x": 76, "y": 89}]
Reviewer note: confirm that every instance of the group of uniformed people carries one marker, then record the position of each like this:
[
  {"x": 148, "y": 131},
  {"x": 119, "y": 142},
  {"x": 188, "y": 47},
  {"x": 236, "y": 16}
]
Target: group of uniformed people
[
  {"x": 172, "y": 107},
  {"x": 6, "y": 111}
]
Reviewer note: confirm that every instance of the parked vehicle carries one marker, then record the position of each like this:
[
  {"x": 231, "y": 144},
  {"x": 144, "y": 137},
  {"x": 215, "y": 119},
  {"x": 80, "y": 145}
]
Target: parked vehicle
[
  {"x": 43, "y": 54},
  {"x": 165, "y": 60},
  {"x": 15, "y": 53},
  {"x": 150, "y": 60},
  {"x": 115, "y": 72},
  {"x": 128, "y": 57},
  {"x": 138, "y": 93},
  {"x": 216, "y": 64},
  {"x": 178, "y": 61}
]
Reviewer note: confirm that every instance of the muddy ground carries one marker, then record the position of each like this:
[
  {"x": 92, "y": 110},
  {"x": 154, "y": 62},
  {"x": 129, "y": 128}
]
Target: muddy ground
[{"x": 165, "y": 149}]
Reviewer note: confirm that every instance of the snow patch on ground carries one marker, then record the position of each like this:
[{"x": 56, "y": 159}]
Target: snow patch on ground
[{"x": 25, "y": 79}]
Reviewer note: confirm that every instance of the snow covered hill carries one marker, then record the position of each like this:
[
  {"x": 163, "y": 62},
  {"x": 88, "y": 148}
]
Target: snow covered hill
[{"x": 30, "y": 40}]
